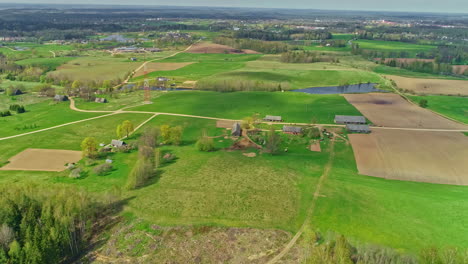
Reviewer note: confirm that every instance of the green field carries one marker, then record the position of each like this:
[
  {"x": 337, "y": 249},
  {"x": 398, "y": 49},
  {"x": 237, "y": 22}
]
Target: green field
[
  {"x": 39, "y": 116},
  {"x": 451, "y": 106},
  {"x": 205, "y": 65},
  {"x": 392, "y": 46},
  {"x": 293, "y": 107},
  {"x": 50, "y": 63},
  {"x": 383, "y": 69},
  {"x": 68, "y": 137},
  {"x": 404, "y": 215},
  {"x": 95, "y": 69}
]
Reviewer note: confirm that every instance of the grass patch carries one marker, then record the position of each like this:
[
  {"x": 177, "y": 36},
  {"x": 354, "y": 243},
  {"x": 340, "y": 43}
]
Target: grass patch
[
  {"x": 204, "y": 65},
  {"x": 383, "y": 69},
  {"x": 382, "y": 45},
  {"x": 451, "y": 106},
  {"x": 404, "y": 215},
  {"x": 49, "y": 63},
  {"x": 39, "y": 116},
  {"x": 293, "y": 107}
]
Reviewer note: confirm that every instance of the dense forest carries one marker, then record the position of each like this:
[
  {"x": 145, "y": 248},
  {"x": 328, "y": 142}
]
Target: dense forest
[{"x": 48, "y": 224}]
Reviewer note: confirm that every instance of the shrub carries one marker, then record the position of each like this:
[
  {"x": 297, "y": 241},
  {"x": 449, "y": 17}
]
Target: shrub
[
  {"x": 5, "y": 113},
  {"x": 205, "y": 143},
  {"x": 103, "y": 169},
  {"x": 75, "y": 173},
  {"x": 17, "y": 108},
  {"x": 423, "y": 103}
]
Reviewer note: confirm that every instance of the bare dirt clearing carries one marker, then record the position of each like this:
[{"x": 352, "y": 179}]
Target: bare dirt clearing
[
  {"x": 205, "y": 47},
  {"x": 224, "y": 124},
  {"x": 42, "y": 160},
  {"x": 199, "y": 245},
  {"x": 436, "y": 157},
  {"x": 431, "y": 86},
  {"x": 161, "y": 66},
  {"x": 391, "y": 110}
]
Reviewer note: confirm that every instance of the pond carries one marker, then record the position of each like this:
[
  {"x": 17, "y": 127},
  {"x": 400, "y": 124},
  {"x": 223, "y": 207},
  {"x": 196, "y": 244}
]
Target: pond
[{"x": 353, "y": 88}]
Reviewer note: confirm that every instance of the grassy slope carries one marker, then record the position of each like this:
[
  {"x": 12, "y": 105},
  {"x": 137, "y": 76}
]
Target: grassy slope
[
  {"x": 293, "y": 107},
  {"x": 68, "y": 137},
  {"x": 451, "y": 106},
  {"x": 403, "y": 215},
  {"x": 51, "y": 63},
  {"x": 115, "y": 102},
  {"x": 382, "y": 69},
  {"x": 301, "y": 75},
  {"x": 393, "y": 46},
  {"x": 40, "y": 115},
  {"x": 95, "y": 68},
  {"x": 205, "y": 65}
]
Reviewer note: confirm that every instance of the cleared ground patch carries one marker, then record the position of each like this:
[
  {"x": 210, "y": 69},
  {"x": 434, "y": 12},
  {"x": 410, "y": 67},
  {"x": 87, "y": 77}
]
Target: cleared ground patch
[
  {"x": 206, "y": 47},
  {"x": 161, "y": 66},
  {"x": 42, "y": 160},
  {"x": 435, "y": 157},
  {"x": 431, "y": 86},
  {"x": 391, "y": 110}
]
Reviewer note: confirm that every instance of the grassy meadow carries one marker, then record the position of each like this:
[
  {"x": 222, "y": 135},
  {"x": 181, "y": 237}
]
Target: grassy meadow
[
  {"x": 404, "y": 215},
  {"x": 39, "y": 116},
  {"x": 293, "y": 107},
  {"x": 451, "y": 106},
  {"x": 95, "y": 69},
  {"x": 397, "y": 46}
]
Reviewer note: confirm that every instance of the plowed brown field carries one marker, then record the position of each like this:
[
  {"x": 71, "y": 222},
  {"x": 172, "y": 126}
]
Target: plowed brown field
[
  {"x": 431, "y": 86},
  {"x": 42, "y": 160},
  {"x": 423, "y": 156},
  {"x": 391, "y": 110}
]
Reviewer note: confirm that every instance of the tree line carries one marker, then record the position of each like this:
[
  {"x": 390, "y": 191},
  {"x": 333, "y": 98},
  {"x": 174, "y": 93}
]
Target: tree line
[
  {"x": 267, "y": 47},
  {"x": 52, "y": 224},
  {"x": 234, "y": 85}
]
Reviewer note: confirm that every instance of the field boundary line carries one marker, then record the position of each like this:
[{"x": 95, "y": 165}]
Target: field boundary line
[{"x": 311, "y": 209}]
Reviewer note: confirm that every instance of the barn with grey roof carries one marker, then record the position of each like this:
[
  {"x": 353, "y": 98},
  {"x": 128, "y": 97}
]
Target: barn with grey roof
[
  {"x": 358, "y": 128},
  {"x": 273, "y": 118},
  {"x": 344, "y": 119},
  {"x": 292, "y": 130}
]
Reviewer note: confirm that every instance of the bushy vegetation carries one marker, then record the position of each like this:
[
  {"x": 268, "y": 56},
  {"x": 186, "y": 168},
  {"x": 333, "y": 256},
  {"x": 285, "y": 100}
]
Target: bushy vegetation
[
  {"x": 205, "y": 143},
  {"x": 307, "y": 57},
  {"x": 253, "y": 44},
  {"x": 239, "y": 85},
  {"x": 46, "y": 225},
  {"x": 17, "y": 108}
]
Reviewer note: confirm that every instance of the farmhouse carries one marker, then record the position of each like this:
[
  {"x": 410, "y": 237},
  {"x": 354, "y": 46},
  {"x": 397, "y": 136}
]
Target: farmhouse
[
  {"x": 100, "y": 100},
  {"x": 117, "y": 143},
  {"x": 292, "y": 130},
  {"x": 60, "y": 98},
  {"x": 133, "y": 59},
  {"x": 236, "y": 130},
  {"x": 273, "y": 118},
  {"x": 342, "y": 119},
  {"x": 358, "y": 128}
]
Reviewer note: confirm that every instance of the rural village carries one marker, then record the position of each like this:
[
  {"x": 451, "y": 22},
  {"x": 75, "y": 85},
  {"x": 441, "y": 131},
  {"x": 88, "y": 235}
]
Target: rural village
[{"x": 195, "y": 135}]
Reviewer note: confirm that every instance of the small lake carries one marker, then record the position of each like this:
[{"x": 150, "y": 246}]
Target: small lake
[{"x": 353, "y": 88}]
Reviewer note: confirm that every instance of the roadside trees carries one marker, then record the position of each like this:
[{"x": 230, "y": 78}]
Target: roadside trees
[{"x": 89, "y": 147}]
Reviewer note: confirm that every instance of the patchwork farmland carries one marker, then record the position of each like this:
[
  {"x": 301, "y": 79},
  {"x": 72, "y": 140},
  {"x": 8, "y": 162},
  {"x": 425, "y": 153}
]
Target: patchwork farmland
[{"x": 145, "y": 139}]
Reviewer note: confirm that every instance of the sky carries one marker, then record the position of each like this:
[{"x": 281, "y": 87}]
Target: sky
[{"x": 454, "y": 6}]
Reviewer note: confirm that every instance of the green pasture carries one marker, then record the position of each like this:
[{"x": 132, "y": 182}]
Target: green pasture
[
  {"x": 293, "y": 107},
  {"x": 116, "y": 101},
  {"x": 205, "y": 65},
  {"x": 451, "y": 106},
  {"x": 50, "y": 63},
  {"x": 396, "y": 46},
  {"x": 34, "y": 49},
  {"x": 403, "y": 215},
  {"x": 27, "y": 86},
  {"x": 68, "y": 137},
  {"x": 39, "y": 116},
  {"x": 387, "y": 70},
  {"x": 94, "y": 69}
]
